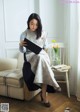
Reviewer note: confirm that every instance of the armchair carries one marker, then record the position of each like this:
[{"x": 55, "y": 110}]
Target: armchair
[{"x": 11, "y": 79}]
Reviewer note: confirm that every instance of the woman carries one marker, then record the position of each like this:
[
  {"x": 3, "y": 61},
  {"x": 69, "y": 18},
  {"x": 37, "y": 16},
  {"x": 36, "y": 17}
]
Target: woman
[{"x": 41, "y": 74}]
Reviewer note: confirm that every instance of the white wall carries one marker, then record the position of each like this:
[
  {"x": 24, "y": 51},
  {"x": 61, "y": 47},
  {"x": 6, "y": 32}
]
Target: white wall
[
  {"x": 13, "y": 18},
  {"x": 14, "y": 14},
  {"x": 52, "y": 14}
]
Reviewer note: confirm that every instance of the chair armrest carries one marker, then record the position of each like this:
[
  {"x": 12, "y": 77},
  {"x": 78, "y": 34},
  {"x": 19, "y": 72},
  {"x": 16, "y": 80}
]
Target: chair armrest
[
  {"x": 20, "y": 59},
  {"x": 8, "y": 63}
]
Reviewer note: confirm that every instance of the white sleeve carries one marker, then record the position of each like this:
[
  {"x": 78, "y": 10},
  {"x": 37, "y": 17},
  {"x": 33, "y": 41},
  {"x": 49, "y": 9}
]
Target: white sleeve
[
  {"x": 45, "y": 41},
  {"x": 22, "y": 49}
]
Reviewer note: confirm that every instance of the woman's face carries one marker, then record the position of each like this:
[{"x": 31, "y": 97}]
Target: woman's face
[{"x": 33, "y": 25}]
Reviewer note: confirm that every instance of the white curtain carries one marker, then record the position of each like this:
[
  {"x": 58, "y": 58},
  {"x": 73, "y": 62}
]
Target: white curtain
[
  {"x": 78, "y": 68},
  {"x": 72, "y": 35}
]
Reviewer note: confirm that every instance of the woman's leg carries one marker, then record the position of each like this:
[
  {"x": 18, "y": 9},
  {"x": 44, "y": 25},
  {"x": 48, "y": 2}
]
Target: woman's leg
[{"x": 44, "y": 96}]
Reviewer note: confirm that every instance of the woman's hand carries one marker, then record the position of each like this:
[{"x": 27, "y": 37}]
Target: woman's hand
[{"x": 23, "y": 43}]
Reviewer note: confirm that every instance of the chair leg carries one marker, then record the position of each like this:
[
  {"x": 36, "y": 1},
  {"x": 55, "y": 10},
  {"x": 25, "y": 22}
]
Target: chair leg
[{"x": 67, "y": 84}]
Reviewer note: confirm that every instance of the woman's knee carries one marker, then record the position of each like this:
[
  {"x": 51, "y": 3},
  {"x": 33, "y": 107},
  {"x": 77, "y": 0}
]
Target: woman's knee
[{"x": 42, "y": 58}]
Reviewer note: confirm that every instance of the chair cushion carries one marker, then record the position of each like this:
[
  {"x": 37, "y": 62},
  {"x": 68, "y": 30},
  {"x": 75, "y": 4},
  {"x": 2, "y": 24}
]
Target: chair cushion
[
  {"x": 15, "y": 78},
  {"x": 3, "y": 75}
]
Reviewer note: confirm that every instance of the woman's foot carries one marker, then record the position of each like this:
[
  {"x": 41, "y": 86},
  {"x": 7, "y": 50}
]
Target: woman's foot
[
  {"x": 47, "y": 104},
  {"x": 44, "y": 101}
]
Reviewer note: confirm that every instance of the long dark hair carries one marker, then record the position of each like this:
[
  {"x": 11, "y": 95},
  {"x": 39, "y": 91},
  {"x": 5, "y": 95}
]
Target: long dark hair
[{"x": 37, "y": 17}]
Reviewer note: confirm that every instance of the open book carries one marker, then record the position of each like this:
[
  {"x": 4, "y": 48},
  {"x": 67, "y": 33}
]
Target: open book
[{"x": 33, "y": 47}]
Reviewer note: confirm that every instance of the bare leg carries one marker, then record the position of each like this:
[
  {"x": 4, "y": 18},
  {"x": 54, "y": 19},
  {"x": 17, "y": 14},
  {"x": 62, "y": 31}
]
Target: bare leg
[
  {"x": 44, "y": 87},
  {"x": 44, "y": 96}
]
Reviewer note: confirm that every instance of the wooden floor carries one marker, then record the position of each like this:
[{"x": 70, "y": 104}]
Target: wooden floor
[{"x": 58, "y": 101}]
